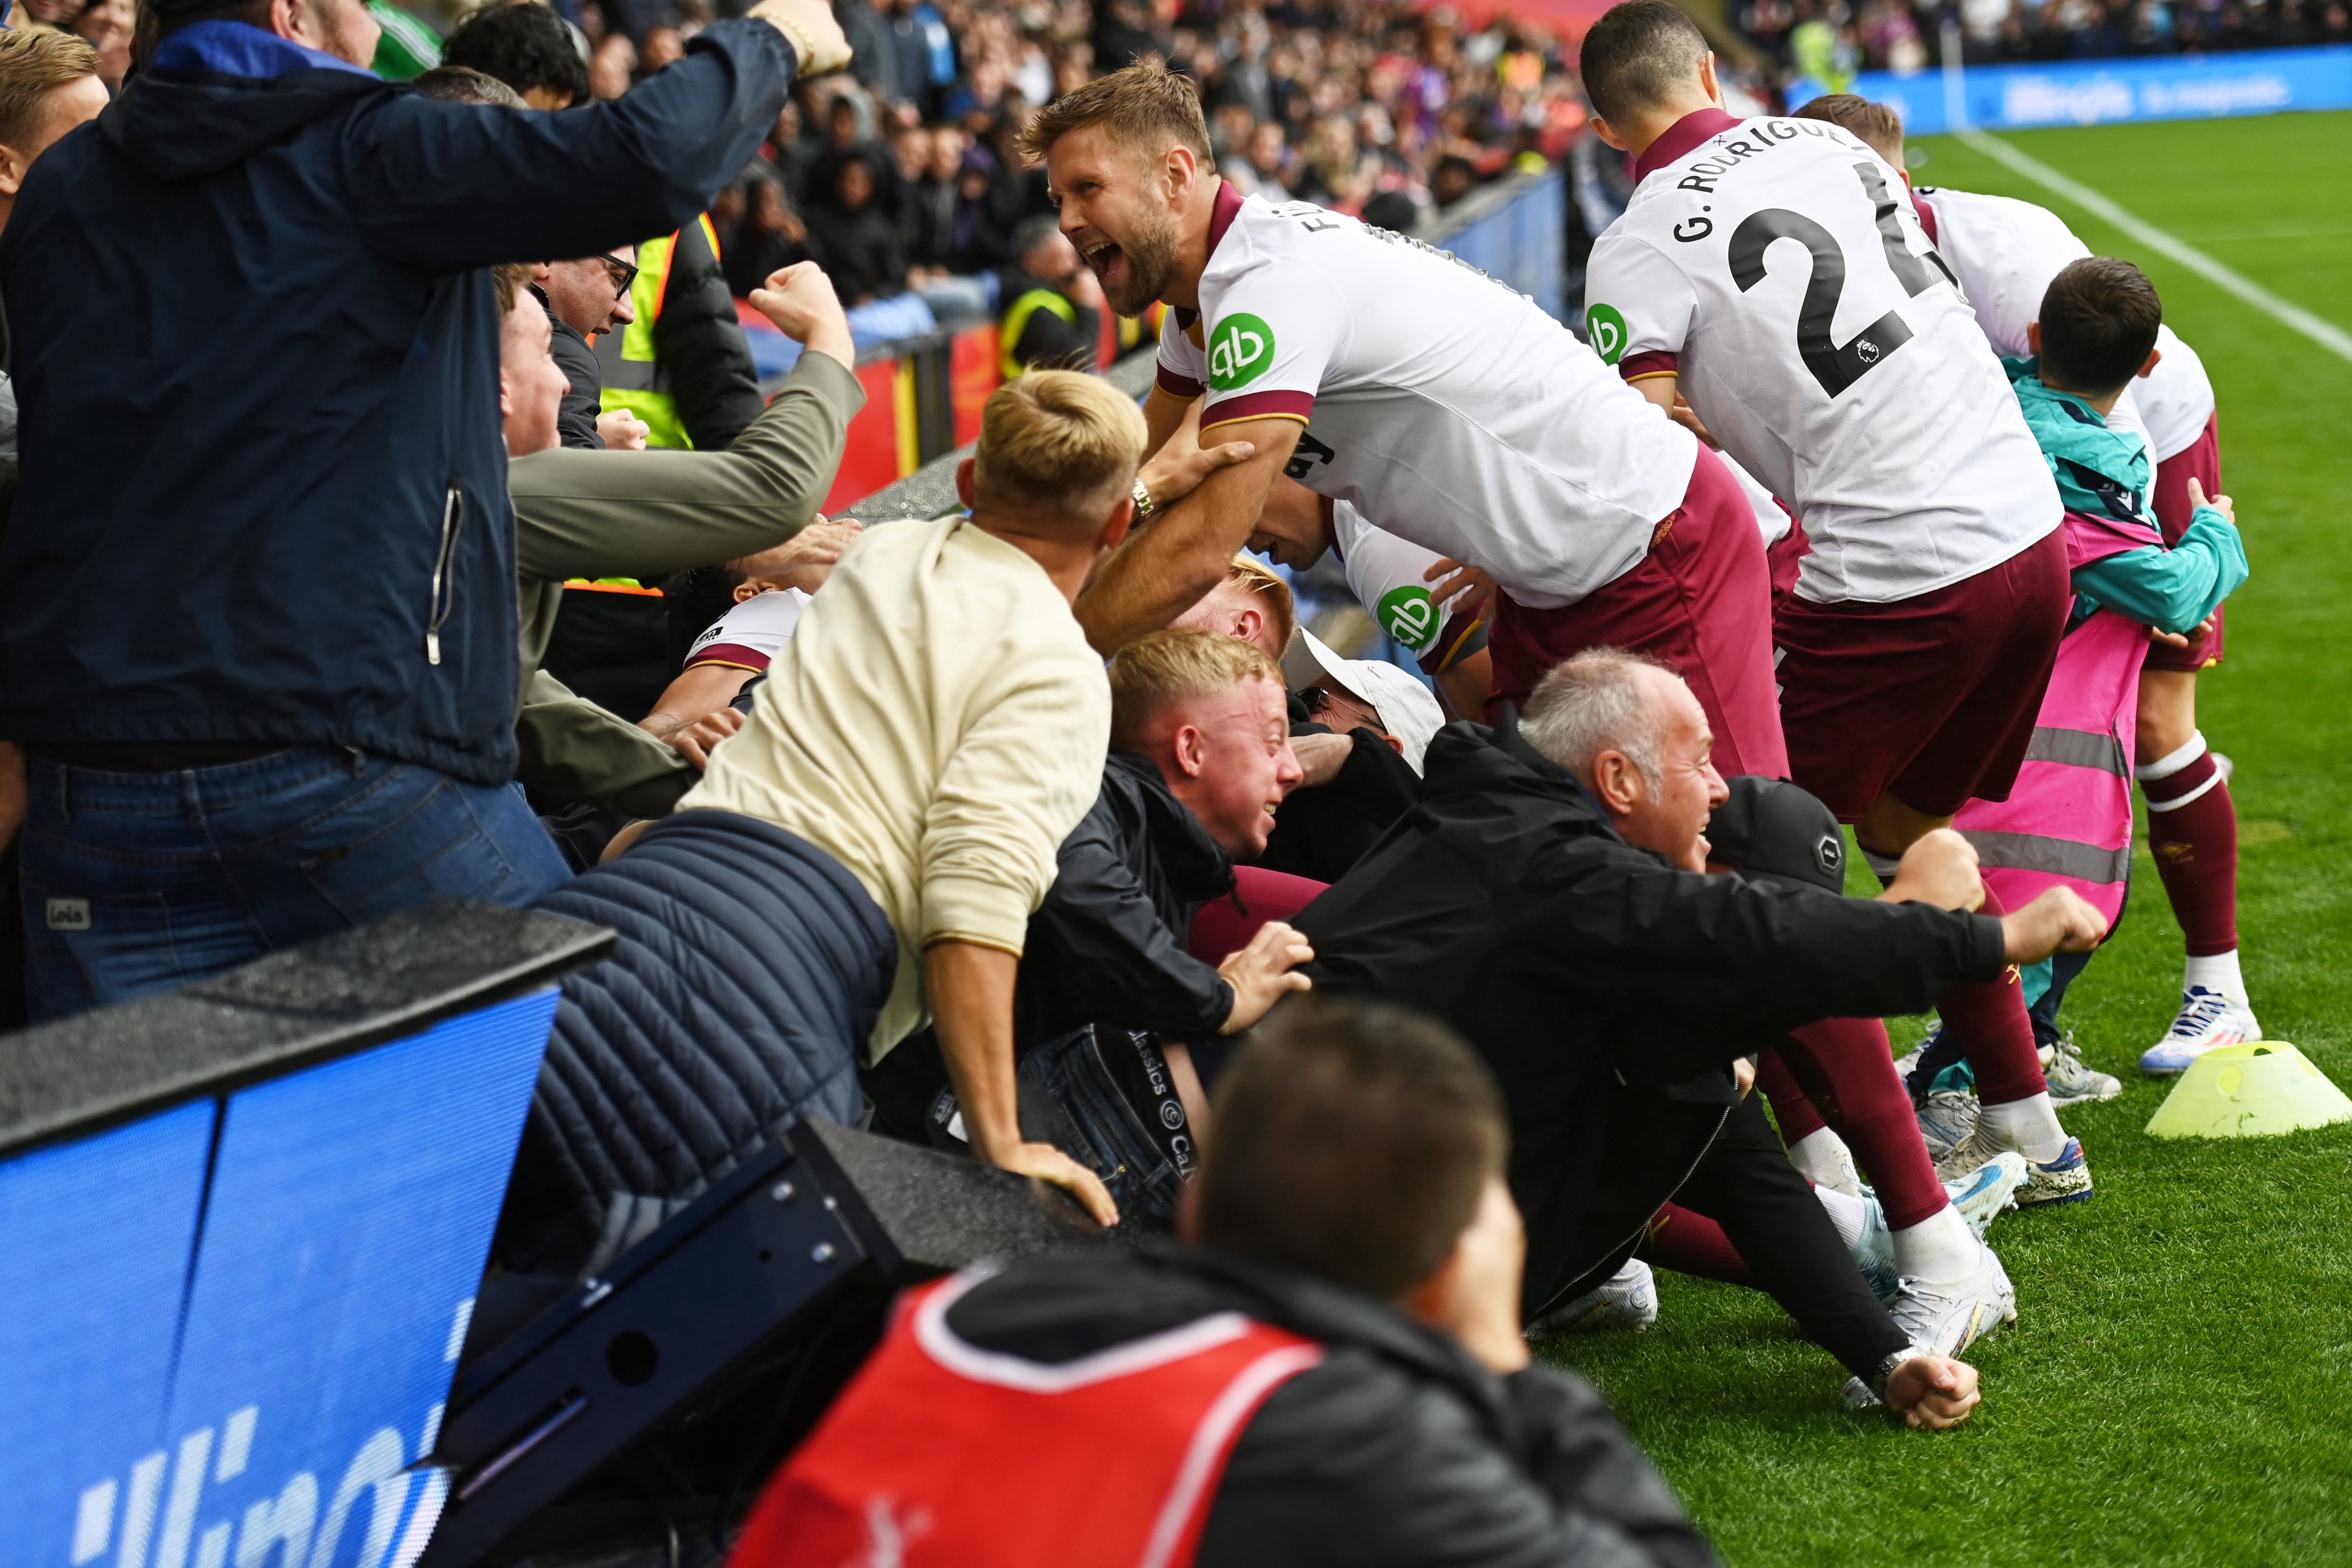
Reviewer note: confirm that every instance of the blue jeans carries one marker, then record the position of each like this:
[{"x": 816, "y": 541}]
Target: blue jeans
[{"x": 140, "y": 882}]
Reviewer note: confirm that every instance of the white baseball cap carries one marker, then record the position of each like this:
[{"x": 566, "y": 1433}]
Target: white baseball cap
[{"x": 1407, "y": 710}]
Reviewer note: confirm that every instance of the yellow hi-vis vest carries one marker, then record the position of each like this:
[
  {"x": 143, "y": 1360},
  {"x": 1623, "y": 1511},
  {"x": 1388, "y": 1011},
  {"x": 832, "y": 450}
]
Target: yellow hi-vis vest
[
  {"x": 1016, "y": 321},
  {"x": 634, "y": 379}
]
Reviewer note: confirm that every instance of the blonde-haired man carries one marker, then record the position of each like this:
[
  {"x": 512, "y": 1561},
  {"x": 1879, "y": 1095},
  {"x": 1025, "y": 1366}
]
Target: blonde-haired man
[
  {"x": 867, "y": 850},
  {"x": 48, "y": 85},
  {"x": 1249, "y": 603},
  {"x": 1200, "y": 758}
]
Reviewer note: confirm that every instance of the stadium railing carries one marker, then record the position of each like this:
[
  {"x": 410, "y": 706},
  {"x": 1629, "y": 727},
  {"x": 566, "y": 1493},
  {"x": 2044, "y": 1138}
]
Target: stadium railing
[
  {"x": 2107, "y": 92},
  {"x": 924, "y": 393}
]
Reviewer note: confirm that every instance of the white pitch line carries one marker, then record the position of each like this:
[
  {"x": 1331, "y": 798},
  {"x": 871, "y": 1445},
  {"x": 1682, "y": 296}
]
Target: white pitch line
[{"x": 2327, "y": 334}]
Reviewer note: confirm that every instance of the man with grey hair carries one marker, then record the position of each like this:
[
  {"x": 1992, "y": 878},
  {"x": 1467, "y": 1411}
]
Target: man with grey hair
[{"x": 1561, "y": 919}]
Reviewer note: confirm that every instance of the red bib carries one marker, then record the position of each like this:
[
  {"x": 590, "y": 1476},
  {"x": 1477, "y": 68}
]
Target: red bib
[{"x": 941, "y": 1453}]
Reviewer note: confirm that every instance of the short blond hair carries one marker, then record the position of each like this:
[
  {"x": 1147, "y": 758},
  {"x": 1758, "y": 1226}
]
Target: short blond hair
[
  {"x": 1253, "y": 577},
  {"x": 1059, "y": 444},
  {"x": 31, "y": 63},
  {"x": 1145, "y": 102},
  {"x": 510, "y": 279},
  {"x": 1159, "y": 670}
]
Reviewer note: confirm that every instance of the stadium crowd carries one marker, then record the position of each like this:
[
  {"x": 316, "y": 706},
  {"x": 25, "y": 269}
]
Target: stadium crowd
[{"x": 1020, "y": 832}]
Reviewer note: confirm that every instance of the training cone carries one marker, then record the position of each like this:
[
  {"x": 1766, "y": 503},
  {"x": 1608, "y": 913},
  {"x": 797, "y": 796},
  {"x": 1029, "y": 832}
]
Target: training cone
[{"x": 2249, "y": 1091}]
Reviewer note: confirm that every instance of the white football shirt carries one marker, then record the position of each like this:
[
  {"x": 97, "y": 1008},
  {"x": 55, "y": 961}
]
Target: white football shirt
[
  {"x": 1443, "y": 405},
  {"x": 2005, "y": 253},
  {"x": 748, "y": 636},
  {"x": 1385, "y": 574},
  {"x": 1774, "y": 266}
]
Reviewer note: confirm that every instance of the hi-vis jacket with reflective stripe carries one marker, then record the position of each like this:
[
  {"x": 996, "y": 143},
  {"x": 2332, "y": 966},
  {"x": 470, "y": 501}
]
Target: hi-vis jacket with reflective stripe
[{"x": 683, "y": 365}]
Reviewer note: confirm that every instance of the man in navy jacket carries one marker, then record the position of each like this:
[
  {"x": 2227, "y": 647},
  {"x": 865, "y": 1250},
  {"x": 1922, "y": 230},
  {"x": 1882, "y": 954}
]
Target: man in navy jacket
[{"x": 257, "y": 597}]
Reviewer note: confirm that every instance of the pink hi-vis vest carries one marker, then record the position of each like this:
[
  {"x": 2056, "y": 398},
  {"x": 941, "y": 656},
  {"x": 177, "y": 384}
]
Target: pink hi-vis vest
[
  {"x": 941, "y": 1453},
  {"x": 2067, "y": 823}
]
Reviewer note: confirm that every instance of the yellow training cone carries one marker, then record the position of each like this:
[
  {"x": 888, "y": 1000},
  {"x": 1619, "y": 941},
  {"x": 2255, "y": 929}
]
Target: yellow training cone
[{"x": 2249, "y": 1091}]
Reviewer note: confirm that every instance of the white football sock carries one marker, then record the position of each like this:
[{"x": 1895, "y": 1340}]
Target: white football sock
[
  {"x": 2218, "y": 973},
  {"x": 1821, "y": 1157},
  {"x": 2027, "y": 1125},
  {"x": 1939, "y": 1250},
  {"x": 1849, "y": 1214}
]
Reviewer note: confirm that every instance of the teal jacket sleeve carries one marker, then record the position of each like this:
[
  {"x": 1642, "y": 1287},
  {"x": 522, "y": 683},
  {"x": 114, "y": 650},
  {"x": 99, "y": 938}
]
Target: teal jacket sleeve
[{"x": 2172, "y": 590}]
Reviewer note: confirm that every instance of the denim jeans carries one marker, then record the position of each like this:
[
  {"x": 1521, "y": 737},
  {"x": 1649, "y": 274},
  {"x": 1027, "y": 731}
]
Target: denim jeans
[
  {"x": 1095, "y": 1079},
  {"x": 140, "y": 882}
]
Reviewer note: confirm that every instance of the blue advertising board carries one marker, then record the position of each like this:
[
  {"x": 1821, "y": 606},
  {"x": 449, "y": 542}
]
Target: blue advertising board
[
  {"x": 1520, "y": 242},
  {"x": 2100, "y": 92},
  {"x": 229, "y": 1327}
]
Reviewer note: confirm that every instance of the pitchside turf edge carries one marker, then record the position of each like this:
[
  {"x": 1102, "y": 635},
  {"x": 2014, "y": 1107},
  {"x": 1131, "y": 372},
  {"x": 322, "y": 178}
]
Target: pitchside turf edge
[{"x": 2178, "y": 1386}]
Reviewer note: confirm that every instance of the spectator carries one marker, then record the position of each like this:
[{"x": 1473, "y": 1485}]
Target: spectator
[
  {"x": 1351, "y": 1227},
  {"x": 930, "y": 228},
  {"x": 587, "y": 299},
  {"x": 108, "y": 26},
  {"x": 336, "y": 790},
  {"x": 879, "y": 856},
  {"x": 770, "y": 237},
  {"x": 976, "y": 243},
  {"x": 613, "y": 67},
  {"x": 1053, "y": 304},
  {"x": 50, "y": 83},
  {"x": 1110, "y": 1000},
  {"x": 1551, "y": 861},
  {"x": 526, "y": 46},
  {"x": 662, "y": 47},
  {"x": 587, "y": 515},
  {"x": 850, "y": 232},
  {"x": 1251, "y": 604}
]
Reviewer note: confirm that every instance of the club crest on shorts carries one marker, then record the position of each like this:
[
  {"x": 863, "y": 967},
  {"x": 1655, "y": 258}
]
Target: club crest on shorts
[
  {"x": 1240, "y": 351},
  {"x": 1604, "y": 329}
]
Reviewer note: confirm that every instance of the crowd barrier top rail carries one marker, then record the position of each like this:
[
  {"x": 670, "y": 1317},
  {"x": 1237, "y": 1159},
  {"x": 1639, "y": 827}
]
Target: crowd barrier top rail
[{"x": 285, "y": 1012}]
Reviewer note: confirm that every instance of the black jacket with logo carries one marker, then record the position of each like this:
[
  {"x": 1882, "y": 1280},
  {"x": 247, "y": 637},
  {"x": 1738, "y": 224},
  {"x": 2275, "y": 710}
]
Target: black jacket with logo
[
  {"x": 1398, "y": 1447},
  {"x": 1609, "y": 991}
]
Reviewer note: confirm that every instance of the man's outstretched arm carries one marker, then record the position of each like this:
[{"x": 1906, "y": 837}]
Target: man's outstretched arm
[{"x": 1163, "y": 570}]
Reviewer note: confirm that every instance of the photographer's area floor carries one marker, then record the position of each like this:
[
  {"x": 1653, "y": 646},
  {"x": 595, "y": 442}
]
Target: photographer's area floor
[{"x": 2178, "y": 1388}]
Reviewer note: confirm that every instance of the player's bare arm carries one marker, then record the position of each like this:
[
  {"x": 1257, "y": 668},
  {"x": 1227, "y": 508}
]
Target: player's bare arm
[{"x": 1162, "y": 571}]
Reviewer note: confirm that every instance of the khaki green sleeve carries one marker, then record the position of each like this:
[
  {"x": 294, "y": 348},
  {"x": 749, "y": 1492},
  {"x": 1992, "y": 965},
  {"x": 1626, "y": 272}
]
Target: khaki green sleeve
[
  {"x": 581, "y": 513},
  {"x": 574, "y": 749}
]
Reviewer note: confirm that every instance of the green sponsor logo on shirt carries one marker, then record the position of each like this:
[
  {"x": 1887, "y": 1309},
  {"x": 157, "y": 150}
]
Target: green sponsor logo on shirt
[
  {"x": 1239, "y": 350},
  {"x": 1410, "y": 616},
  {"x": 1604, "y": 329}
]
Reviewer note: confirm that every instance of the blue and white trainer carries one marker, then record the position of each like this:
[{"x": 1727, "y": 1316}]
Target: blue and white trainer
[
  {"x": 2207, "y": 1020},
  {"x": 1946, "y": 1320},
  {"x": 1989, "y": 1189}
]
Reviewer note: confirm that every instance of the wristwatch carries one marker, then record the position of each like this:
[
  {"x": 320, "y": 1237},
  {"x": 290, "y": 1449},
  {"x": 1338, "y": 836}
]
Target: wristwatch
[{"x": 1144, "y": 505}]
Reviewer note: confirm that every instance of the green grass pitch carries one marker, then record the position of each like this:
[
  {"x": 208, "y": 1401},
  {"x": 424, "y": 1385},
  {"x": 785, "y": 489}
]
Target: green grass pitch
[{"x": 2178, "y": 1388}]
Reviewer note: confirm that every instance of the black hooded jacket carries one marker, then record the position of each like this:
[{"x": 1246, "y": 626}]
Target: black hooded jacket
[
  {"x": 1398, "y": 1447},
  {"x": 257, "y": 353},
  {"x": 1108, "y": 944},
  {"x": 1609, "y": 991}
]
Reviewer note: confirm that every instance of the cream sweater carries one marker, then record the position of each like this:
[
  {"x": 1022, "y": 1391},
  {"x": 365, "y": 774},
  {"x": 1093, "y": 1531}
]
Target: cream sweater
[{"x": 937, "y": 724}]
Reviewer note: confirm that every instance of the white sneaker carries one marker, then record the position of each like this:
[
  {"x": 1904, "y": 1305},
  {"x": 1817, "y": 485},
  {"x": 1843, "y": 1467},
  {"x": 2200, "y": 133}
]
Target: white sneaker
[
  {"x": 1948, "y": 1118},
  {"x": 2072, "y": 1081},
  {"x": 1946, "y": 1322},
  {"x": 1626, "y": 1299},
  {"x": 2206, "y": 1019}
]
